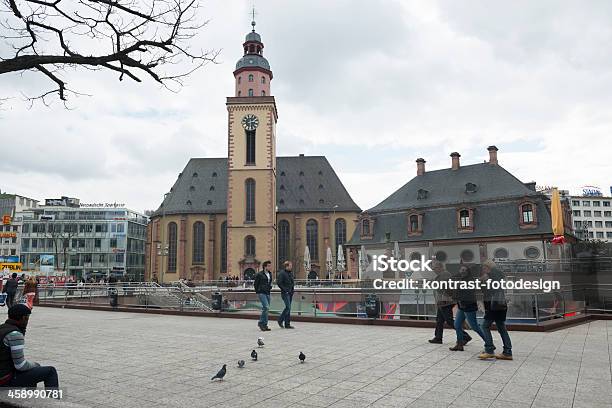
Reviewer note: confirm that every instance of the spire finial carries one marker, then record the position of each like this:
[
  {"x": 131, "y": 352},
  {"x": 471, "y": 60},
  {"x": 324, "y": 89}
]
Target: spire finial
[{"x": 253, "y": 20}]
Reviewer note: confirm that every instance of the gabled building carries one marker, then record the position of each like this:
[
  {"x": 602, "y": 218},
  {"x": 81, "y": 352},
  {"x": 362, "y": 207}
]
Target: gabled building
[{"x": 460, "y": 214}]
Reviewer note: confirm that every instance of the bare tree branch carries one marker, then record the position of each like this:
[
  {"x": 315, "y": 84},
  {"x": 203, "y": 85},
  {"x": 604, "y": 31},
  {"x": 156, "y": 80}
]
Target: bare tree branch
[{"x": 123, "y": 36}]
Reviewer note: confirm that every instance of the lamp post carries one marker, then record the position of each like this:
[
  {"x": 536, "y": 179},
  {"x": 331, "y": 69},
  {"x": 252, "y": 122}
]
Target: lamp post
[{"x": 334, "y": 225}]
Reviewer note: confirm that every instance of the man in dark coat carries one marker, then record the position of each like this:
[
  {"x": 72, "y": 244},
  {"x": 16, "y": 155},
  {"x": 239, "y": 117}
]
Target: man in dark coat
[
  {"x": 10, "y": 288},
  {"x": 263, "y": 286},
  {"x": 285, "y": 282}
]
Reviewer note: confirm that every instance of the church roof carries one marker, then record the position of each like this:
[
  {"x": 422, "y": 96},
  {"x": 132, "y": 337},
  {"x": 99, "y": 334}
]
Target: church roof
[
  {"x": 303, "y": 183},
  {"x": 489, "y": 189},
  {"x": 447, "y": 186}
]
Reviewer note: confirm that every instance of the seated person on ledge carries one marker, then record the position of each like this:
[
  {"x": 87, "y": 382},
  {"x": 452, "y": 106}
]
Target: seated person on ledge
[{"x": 15, "y": 370}]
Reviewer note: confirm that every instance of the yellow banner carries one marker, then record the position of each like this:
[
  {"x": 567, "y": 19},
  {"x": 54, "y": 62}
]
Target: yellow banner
[{"x": 13, "y": 267}]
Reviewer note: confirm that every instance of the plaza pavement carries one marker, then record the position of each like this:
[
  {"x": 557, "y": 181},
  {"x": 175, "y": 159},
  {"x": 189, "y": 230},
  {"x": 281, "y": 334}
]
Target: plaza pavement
[{"x": 114, "y": 359}]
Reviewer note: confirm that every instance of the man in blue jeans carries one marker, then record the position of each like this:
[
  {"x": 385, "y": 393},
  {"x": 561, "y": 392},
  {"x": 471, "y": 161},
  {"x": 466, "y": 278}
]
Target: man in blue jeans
[
  {"x": 495, "y": 311},
  {"x": 285, "y": 282},
  {"x": 263, "y": 286}
]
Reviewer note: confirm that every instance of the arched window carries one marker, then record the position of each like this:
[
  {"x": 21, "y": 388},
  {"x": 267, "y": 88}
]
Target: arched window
[
  {"x": 340, "y": 233},
  {"x": 239, "y": 79},
  {"x": 284, "y": 241},
  {"x": 365, "y": 227},
  {"x": 249, "y": 246},
  {"x": 527, "y": 213},
  {"x": 172, "y": 236},
  {"x": 312, "y": 239},
  {"x": 464, "y": 219},
  {"x": 250, "y": 77},
  {"x": 249, "y": 187},
  {"x": 263, "y": 93},
  {"x": 239, "y": 93},
  {"x": 198, "y": 242},
  {"x": 224, "y": 246},
  {"x": 250, "y": 147},
  {"x": 263, "y": 79},
  {"x": 251, "y": 92}
]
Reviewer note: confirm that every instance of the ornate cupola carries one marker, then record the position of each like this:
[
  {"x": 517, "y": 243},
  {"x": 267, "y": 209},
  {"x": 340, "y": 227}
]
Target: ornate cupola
[{"x": 253, "y": 74}]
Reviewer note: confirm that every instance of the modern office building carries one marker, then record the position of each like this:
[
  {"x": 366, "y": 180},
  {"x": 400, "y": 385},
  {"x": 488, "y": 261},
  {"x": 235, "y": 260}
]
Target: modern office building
[
  {"x": 10, "y": 223},
  {"x": 84, "y": 240},
  {"x": 592, "y": 216}
]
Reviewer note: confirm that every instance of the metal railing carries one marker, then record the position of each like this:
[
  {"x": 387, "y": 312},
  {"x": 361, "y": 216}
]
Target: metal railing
[{"x": 325, "y": 301}]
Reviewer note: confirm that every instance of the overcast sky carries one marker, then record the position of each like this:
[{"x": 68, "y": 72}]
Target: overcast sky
[{"x": 372, "y": 85}]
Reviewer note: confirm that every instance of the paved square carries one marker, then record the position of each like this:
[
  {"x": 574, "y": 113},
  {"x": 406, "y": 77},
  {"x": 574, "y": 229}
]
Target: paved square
[{"x": 111, "y": 359}]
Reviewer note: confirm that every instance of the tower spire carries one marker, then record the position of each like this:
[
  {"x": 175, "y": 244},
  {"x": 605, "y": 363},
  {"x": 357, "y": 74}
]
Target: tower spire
[{"x": 253, "y": 18}]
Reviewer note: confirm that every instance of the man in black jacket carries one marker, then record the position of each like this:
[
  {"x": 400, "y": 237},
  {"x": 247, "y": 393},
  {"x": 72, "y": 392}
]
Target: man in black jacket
[
  {"x": 10, "y": 288},
  {"x": 263, "y": 286},
  {"x": 285, "y": 282}
]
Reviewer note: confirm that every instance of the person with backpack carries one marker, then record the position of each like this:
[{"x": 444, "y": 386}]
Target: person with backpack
[
  {"x": 496, "y": 309},
  {"x": 466, "y": 296}
]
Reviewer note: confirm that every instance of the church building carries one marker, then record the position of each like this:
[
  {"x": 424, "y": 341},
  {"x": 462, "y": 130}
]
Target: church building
[{"x": 226, "y": 216}]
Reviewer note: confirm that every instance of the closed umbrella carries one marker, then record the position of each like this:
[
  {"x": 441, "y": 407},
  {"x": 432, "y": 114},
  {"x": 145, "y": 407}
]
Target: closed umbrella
[
  {"x": 396, "y": 251},
  {"x": 340, "y": 262},
  {"x": 329, "y": 262},
  {"x": 557, "y": 217},
  {"x": 363, "y": 261},
  {"x": 306, "y": 260}
]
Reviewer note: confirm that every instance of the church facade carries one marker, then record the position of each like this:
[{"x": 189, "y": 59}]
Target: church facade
[{"x": 226, "y": 216}]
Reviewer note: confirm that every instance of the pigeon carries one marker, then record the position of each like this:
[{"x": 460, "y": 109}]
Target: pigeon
[
  {"x": 302, "y": 357},
  {"x": 220, "y": 374},
  {"x": 260, "y": 342},
  {"x": 240, "y": 363},
  {"x": 254, "y": 355}
]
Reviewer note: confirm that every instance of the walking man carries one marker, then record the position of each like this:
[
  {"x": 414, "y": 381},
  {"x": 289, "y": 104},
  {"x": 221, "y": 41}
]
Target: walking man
[
  {"x": 263, "y": 286},
  {"x": 445, "y": 303},
  {"x": 10, "y": 288},
  {"x": 285, "y": 282},
  {"x": 496, "y": 308}
]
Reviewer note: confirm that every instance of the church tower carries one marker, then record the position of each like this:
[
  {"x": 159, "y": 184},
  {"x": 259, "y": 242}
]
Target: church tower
[{"x": 251, "y": 193}]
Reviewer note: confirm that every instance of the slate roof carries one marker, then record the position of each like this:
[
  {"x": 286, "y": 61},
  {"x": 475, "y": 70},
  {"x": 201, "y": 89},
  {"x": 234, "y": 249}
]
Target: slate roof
[
  {"x": 303, "y": 183},
  {"x": 495, "y": 202},
  {"x": 447, "y": 186}
]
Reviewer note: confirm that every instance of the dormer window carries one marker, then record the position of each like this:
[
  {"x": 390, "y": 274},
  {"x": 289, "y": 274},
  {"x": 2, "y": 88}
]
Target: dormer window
[
  {"x": 366, "y": 227},
  {"x": 527, "y": 214},
  {"x": 282, "y": 187},
  {"x": 415, "y": 223},
  {"x": 422, "y": 194},
  {"x": 465, "y": 220},
  {"x": 301, "y": 173},
  {"x": 471, "y": 188},
  {"x": 212, "y": 188}
]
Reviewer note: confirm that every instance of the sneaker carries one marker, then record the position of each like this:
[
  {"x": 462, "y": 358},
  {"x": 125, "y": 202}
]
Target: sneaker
[
  {"x": 266, "y": 328},
  {"x": 435, "y": 341},
  {"x": 289, "y": 327},
  {"x": 457, "y": 347},
  {"x": 280, "y": 324},
  {"x": 502, "y": 356},
  {"x": 485, "y": 356},
  {"x": 262, "y": 328}
]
